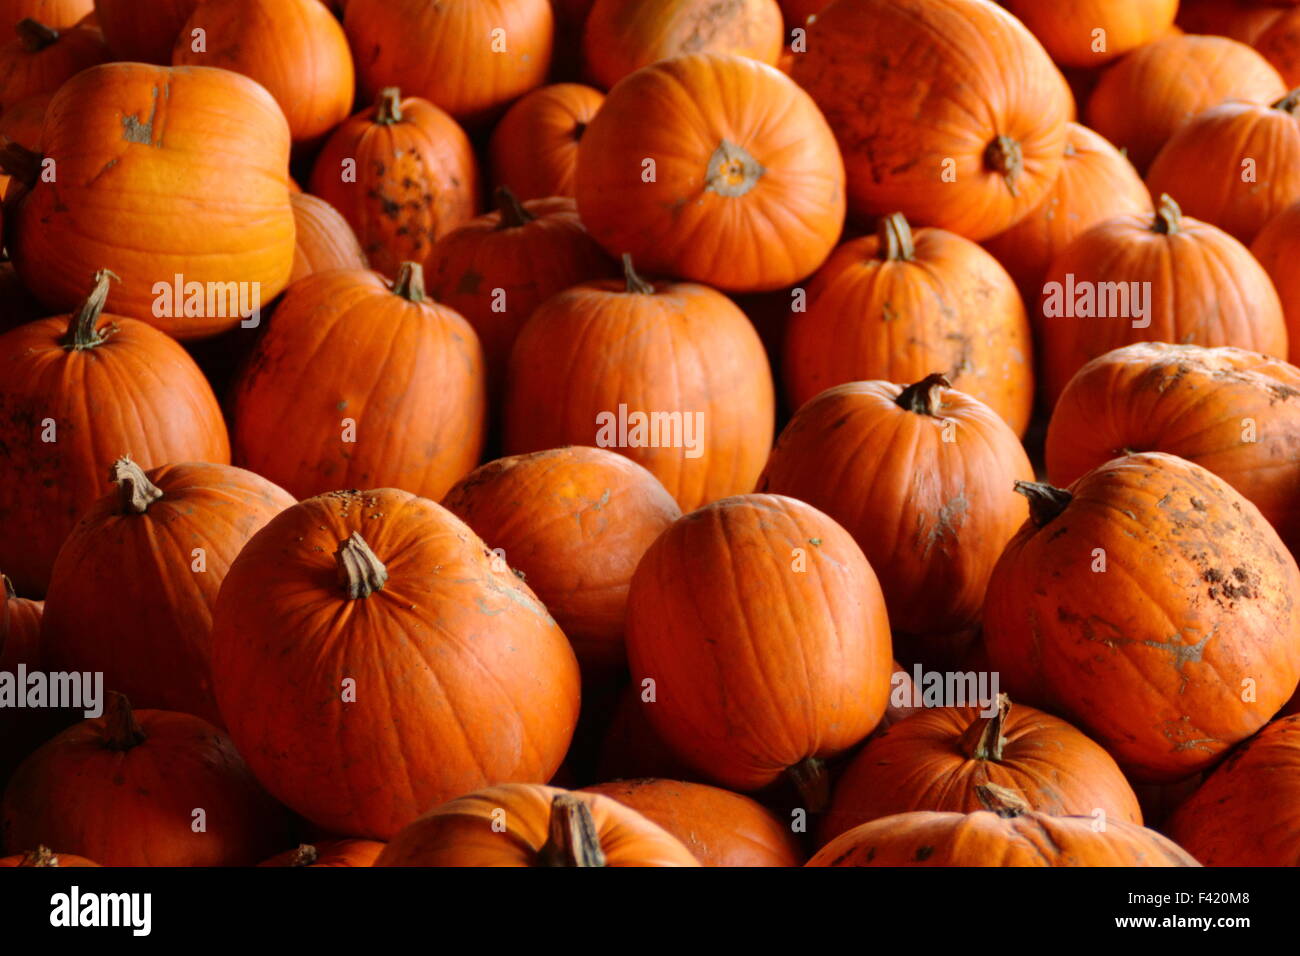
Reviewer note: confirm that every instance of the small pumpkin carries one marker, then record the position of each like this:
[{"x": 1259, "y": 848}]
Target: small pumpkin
[
  {"x": 45, "y": 857},
  {"x": 328, "y": 853},
  {"x": 42, "y": 59},
  {"x": 1279, "y": 43},
  {"x": 324, "y": 240},
  {"x": 57, "y": 14},
  {"x": 1276, "y": 247},
  {"x": 534, "y": 149},
  {"x": 21, "y": 123},
  {"x": 143, "y": 32},
  {"x": 1069, "y": 31}
]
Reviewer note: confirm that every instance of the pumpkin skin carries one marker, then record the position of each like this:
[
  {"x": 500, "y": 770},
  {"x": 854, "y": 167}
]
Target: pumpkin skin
[
  {"x": 664, "y": 347},
  {"x": 324, "y": 239},
  {"x": 168, "y": 174},
  {"x": 1280, "y": 45},
  {"x": 1275, "y": 247},
  {"x": 719, "y": 827},
  {"x": 294, "y": 48},
  {"x": 444, "y": 52},
  {"x": 921, "y": 91},
  {"x": 122, "y": 789},
  {"x": 21, "y": 123},
  {"x": 1204, "y": 289},
  {"x": 44, "y": 857},
  {"x": 416, "y": 178},
  {"x": 743, "y": 589},
  {"x": 120, "y": 386},
  {"x": 143, "y": 32},
  {"x": 42, "y": 59},
  {"x": 406, "y": 372},
  {"x": 1157, "y": 681},
  {"x": 1242, "y": 20},
  {"x": 1066, "y": 30},
  {"x": 899, "y": 305},
  {"x": 425, "y": 725},
  {"x": 1244, "y": 813},
  {"x": 460, "y": 833},
  {"x": 1143, "y": 99},
  {"x": 329, "y": 853},
  {"x": 1233, "y": 412},
  {"x": 591, "y": 516},
  {"x": 748, "y": 186},
  {"x": 534, "y": 149},
  {"x": 57, "y": 14},
  {"x": 132, "y": 551},
  {"x": 856, "y": 452}
]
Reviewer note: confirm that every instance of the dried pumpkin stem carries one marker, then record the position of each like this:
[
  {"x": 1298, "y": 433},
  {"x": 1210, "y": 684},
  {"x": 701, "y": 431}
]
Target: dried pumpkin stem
[
  {"x": 82, "y": 333},
  {"x": 1005, "y": 157},
  {"x": 8, "y": 589},
  {"x": 513, "y": 213},
  {"x": 1005, "y": 803},
  {"x": 410, "y": 283},
  {"x": 810, "y": 778},
  {"x": 305, "y": 855},
  {"x": 41, "y": 856},
  {"x": 895, "y": 237},
  {"x": 732, "y": 170},
  {"x": 135, "y": 491},
  {"x": 571, "y": 839},
  {"x": 635, "y": 284},
  {"x": 1169, "y": 218},
  {"x": 923, "y": 397},
  {"x": 388, "y": 108},
  {"x": 1289, "y": 103},
  {"x": 36, "y": 36},
  {"x": 983, "y": 739},
  {"x": 121, "y": 731},
  {"x": 1046, "y": 503},
  {"x": 20, "y": 164},
  {"x": 360, "y": 572}
]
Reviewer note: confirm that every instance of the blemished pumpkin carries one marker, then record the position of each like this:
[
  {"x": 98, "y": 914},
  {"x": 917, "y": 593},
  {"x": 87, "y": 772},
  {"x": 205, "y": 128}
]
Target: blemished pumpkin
[
  {"x": 132, "y": 589},
  {"x": 921, "y": 476},
  {"x": 947, "y": 110},
  {"x": 1243, "y": 20},
  {"x": 670, "y": 374},
  {"x": 765, "y": 634},
  {"x": 1142, "y": 100},
  {"x": 78, "y": 391},
  {"x": 900, "y": 305},
  {"x": 544, "y": 826},
  {"x": 162, "y": 172},
  {"x": 621, "y": 36},
  {"x": 591, "y": 514},
  {"x": 143, "y": 32},
  {"x": 469, "y": 57},
  {"x": 937, "y": 759},
  {"x": 1276, "y": 247},
  {"x": 719, "y": 827},
  {"x": 1159, "y": 278},
  {"x": 122, "y": 789},
  {"x": 1280, "y": 45},
  {"x": 1007, "y": 833},
  {"x": 403, "y": 174},
  {"x": 384, "y": 388},
  {"x": 1244, "y": 812},
  {"x": 1157, "y": 678},
  {"x": 1233, "y": 412},
  {"x": 372, "y": 660},
  {"x": 1069, "y": 31},
  {"x": 328, "y": 853},
  {"x": 739, "y": 186},
  {"x": 57, "y": 14},
  {"x": 294, "y": 48},
  {"x": 43, "y": 856},
  {"x": 41, "y": 59},
  {"x": 323, "y": 239},
  {"x": 534, "y": 149},
  {"x": 21, "y": 123}
]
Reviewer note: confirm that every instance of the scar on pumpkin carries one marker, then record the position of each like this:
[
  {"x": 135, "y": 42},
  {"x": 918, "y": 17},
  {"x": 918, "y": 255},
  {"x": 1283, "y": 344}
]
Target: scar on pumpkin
[{"x": 133, "y": 131}]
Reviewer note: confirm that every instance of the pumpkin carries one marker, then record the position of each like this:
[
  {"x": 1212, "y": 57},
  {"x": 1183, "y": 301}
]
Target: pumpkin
[
  {"x": 403, "y": 174},
  {"x": 591, "y": 514},
  {"x": 372, "y": 660},
  {"x": 1007, "y": 833},
  {"x": 41, "y": 59},
  {"x": 719, "y": 827},
  {"x": 324, "y": 240},
  {"x": 1275, "y": 247},
  {"x": 1094, "y": 32},
  {"x": 1243, "y": 20},
  {"x": 899, "y": 305},
  {"x": 1157, "y": 680},
  {"x": 162, "y": 173},
  {"x": 738, "y": 184},
  {"x": 1163, "y": 278},
  {"x": 1233, "y": 412},
  {"x": 468, "y": 57},
  {"x": 858, "y": 451},
  {"x": 21, "y": 123},
  {"x": 1097, "y": 182},
  {"x": 534, "y": 149},
  {"x": 948, "y": 111},
  {"x": 1280, "y": 45},
  {"x": 622, "y": 36},
  {"x": 76, "y": 391},
  {"x": 670, "y": 374},
  {"x": 1244, "y": 813},
  {"x": 57, "y": 14},
  {"x": 543, "y": 826},
  {"x": 936, "y": 760},
  {"x": 764, "y": 632},
  {"x": 1143, "y": 99},
  {"x": 44, "y": 856},
  {"x": 329, "y": 853},
  {"x": 126, "y": 789},
  {"x": 155, "y": 551},
  {"x": 143, "y": 32}
]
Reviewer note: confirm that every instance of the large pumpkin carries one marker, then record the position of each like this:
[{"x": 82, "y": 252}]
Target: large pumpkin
[
  {"x": 1276, "y": 247},
  {"x": 324, "y": 239},
  {"x": 1089, "y": 33},
  {"x": 590, "y": 515},
  {"x": 1159, "y": 278},
  {"x": 1280, "y": 45},
  {"x": 294, "y": 48},
  {"x": 899, "y": 305},
  {"x": 534, "y": 149},
  {"x": 58, "y": 14},
  {"x": 384, "y": 388},
  {"x": 328, "y": 853},
  {"x": 41, "y": 59},
  {"x": 403, "y": 174},
  {"x": 372, "y": 660},
  {"x": 737, "y": 183},
  {"x": 149, "y": 788},
  {"x": 947, "y": 110},
  {"x": 1234, "y": 412},
  {"x": 671, "y": 374},
  {"x": 77, "y": 391},
  {"x": 143, "y": 32},
  {"x": 132, "y": 590},
  {"x": 1152, "y": 606}
]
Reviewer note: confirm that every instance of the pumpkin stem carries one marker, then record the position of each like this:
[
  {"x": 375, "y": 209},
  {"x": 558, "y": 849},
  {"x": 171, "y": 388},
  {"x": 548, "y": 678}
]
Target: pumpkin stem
[
  {"x": 1045, "y": 502},
  {"x": 732, "y": 170},
  {"x": 635, "y": 284},
  {"x": 923, "y": 397},
  {"x": 571, "y": 838},
  {"x": 35, "y": 36},
  {"x": 81, "y": 332},
  {"x": 41, "y": 856},
  {"x": 305, "y": 855},
  {"x": 1169, "y": 218},
  {"x": 388, "y": 109},
  {"x": 578, "y": 130},
  {"x": 1004, "y": 156},
  {"x": 20, "y": 164},
  {"x": 121, "y": 730},
  {"x": 360, "y": 572},
  {"x": 1005, "y": 803},
  {"x": 136, "y": 492},
  {"x": 895, "y": 237},
  {"x": 410, "y": 283},
  {"x": 10, "y": 592},
  {"x": 513, "y": 213},
  {"x": 813, "y": 783},
  {"x": 1289, "y": 103},
  {"x": 983, "y": 739}
]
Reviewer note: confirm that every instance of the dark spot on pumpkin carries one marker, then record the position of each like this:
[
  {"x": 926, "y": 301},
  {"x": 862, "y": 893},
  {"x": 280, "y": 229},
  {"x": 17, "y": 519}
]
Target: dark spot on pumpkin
[{"x": 924, "y": 853}]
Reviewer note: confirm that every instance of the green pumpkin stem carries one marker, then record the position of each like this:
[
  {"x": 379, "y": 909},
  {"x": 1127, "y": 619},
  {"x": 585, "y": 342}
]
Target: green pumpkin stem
[
  {"x": 1046, "y": 503},
  {"x": 1002, "y": 801},
  {"x": 121, "y": 731},
  {"x": 635, "y": 284},
  {"x": 41, "y": 856},
  {"x": 1289, "y": 103},
  {"x": 388, "y": 108},
  {"x": 895, "y": 237},
  {"x": 36, "y": 36},
  {"x": 983, "y": 739},
  {"x": 513, "y": 213},
  {"x": 571, "y": 838},
  {"x": 135, "y": 491},
  {"x": 360, "y": 572},
  {"x": 923, "y": 396},
  {"x": 410, "y": 283},
  {"x": 1005, "y": 158},
  {"x": 1169, "y": 218},
  {"x": 810, "y": 778},
  {"x": 82, "y": 333}
]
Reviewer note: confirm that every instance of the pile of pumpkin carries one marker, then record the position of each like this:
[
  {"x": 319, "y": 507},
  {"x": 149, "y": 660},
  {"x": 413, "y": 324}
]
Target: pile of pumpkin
[{"x": 528, "y": 641}]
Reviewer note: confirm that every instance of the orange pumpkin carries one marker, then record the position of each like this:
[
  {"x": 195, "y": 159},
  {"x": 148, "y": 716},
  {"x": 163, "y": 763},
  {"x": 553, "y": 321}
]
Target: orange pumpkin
[
  {"x": 57, "y": 14},
  {"x": 1279, "y": 43},
  {"x": 1243, "y": 20},
  {"x": 534, "y": 149},
  {"x": 42, "y": 59},
  {"x": 743, "y": 189},
  {"x": 324, "y": 239},
  {"x": 21, "y": 123},
  {"x": 1276, "y": 247},
  {"x": 329, "y": 853},
  {"x": 1069, "y": 30},
  {"x": 143, "y": 32}
]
